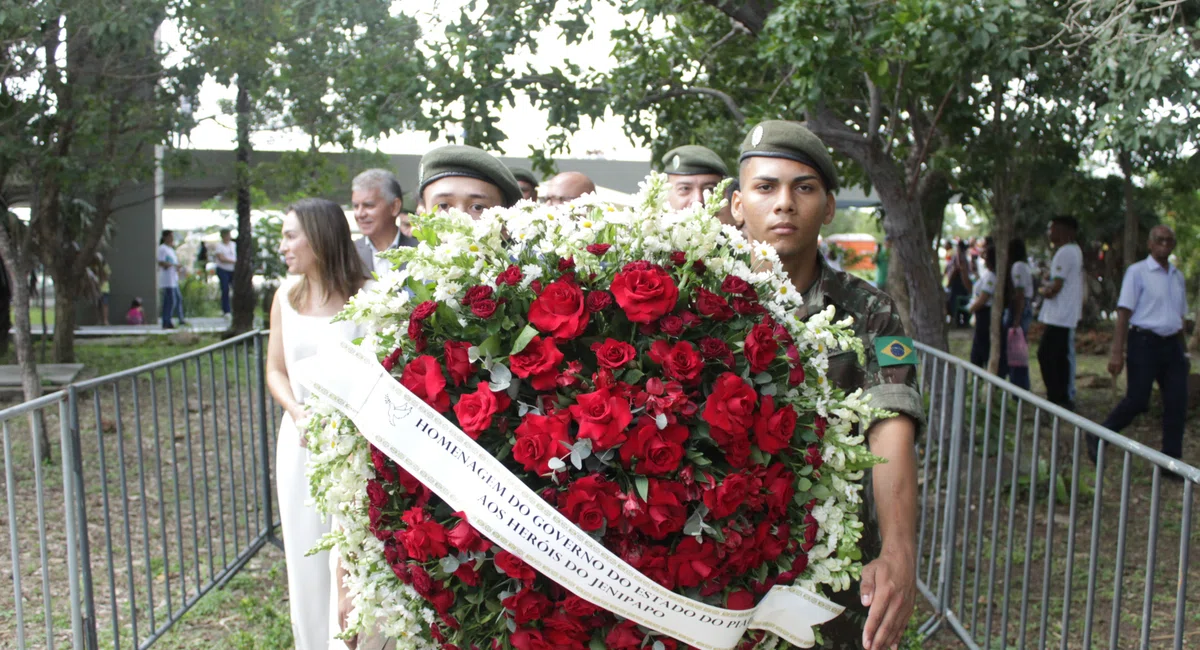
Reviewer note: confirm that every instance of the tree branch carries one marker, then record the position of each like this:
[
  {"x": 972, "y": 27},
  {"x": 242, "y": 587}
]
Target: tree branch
[
  {"x": 875, "y": 114},
  {"x": 916, "y": 170},
  {"x": 752, "y": 14},
  {"x": 729, "y": 102}
]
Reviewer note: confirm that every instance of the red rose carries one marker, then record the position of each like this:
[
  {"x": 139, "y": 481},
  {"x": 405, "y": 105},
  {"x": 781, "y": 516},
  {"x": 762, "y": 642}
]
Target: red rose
[
  {"x": 693, "y": 562},
  {"x": 735, "y": 285},
  {"x": 730, "y": 407},
  {"x": 569, "y": 376},
  {"x": 598, "y": 249},
  {"x": 613, "y": 354},
  {"x": 774, "y": 428},
  {"x": 819, "y": 427},
  {"x": 477, "y": 293},
  {"x": 711, "y": 305},
  {"x": 740, "y": 599},
  {"x": 602, "y": 418},
  {"x": 527, "y": 605},
  {"x": 761, "y": 347},
  {"x": 591, "y": 503},
  {"x": 566, "y": 264},
  {"x": 665, "y": 511},
  {"x": 467, "y": 574},
  {"x": 475, "y": 410},
  {"x": 779, "y": 485},
  {"x": 376, "y": 495},
  {"x": 747, "y": 307},
  {"x": 715, "y": 349},
  {"x": 458, "y": 363},
  {"x": 796, "y": 373},
  {"x": 539, "y": 438},
  {"x": 484, "y": 309},
  {"x": 510, "y": 276},
  {"x": 598, "y": 301},
  {"x": 559, "y": 310},
  {"x": 539, "y": 362},
  {"x": 679, "y": 361},
  {"x": 390, "y": 360},
  {"x": 416, "y": 335},
  {"x": 423, "y": 376},
  {"x": 657, "y": 452},
  {"x": 678, "y": 258},
  {"x": 812, "y": 456},
  {"x": 383, "y": 465},
  {"x": 527, "y": 639},
  {"x": 442, "y": 600},
  {"x": 421, "y": 581},
  {"x": 624, "y": 636},
  {"x": 645, "y": 292},
  {"x": 514, "y": 567},
  {"x": 728, "y": 496},
  {"x": 671, "y": 325},
  {"x": 465, "y": 538},
  {"x": 424, "y": 538},
  {"x": 577, "y": 607},
  {"x": 423, "y": 311},
  {"x": 566, "y": 632}
]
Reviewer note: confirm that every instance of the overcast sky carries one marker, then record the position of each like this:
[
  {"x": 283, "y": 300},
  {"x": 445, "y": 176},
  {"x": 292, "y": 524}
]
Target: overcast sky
[{"x": 524, "y": 125}]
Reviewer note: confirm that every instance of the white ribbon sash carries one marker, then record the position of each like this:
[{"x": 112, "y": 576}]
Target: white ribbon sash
[{"x": 516, "y": 518}]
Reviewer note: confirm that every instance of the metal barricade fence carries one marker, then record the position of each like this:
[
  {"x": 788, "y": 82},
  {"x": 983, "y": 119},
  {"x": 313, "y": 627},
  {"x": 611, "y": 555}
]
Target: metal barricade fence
[
  {"x": 1026, "y": 542},
  {"x": 161, "y": 492}
]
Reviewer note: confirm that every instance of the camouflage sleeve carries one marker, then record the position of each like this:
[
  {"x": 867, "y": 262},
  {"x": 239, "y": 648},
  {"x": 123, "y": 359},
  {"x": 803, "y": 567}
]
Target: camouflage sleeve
[{"x": 894, "y": 387}]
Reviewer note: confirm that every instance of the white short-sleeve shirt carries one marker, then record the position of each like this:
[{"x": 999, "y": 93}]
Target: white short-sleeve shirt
[
  {"x": 1066, "y": 307},
  {"x": 1022, "y": 278},
  {"x": 168, "y": 277},
  {"x": 1156, "y": 296},
  {"x": 985, "y": 283}
]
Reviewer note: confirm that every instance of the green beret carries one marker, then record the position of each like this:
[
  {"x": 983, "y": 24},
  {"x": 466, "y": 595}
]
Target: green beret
[
  {"x": 691, "y": 159},
  {"x": 472, "y": 162},
  {"x": 783, "y": 139},
  {"x": 524, "y": 175}
]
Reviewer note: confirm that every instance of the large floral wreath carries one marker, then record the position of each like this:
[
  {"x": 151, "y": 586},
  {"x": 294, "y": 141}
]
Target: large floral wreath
[{"x": 646, "y": 373}]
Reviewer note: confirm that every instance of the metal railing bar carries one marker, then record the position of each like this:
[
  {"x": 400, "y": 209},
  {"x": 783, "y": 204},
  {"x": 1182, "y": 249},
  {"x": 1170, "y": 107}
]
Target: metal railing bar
[
  {"x": 125, "y": 511},
  {"x": 1119, "y": 577},
  {"x": 156, "y": 365},
  {"x": 1151, "y": 551},
  {"x": 1069, "y": 573},
  {"x": 937, "y": 483},
  {"x": 204, "y": 468},
  {"x": 252, "y": 414},
  {"x": 108, "y": 546},
  {"x": 264, "y": 441},
  {"x": 216, "y": 427},
  {"x": 966, "y": 530},
  {"x": 32, "y": 406},
  {"x": 35, "y": 429},
  {"x": 1012, "y": 518},
  {"x": 237, "y": 378},
  {"x": 950, "y": 520},
  {"x": 1094, "y": 550},
  {"x": 996, "y": 496},
  {"x": 162, "y": 511},
  {"x": 178, "y": 485},
  {"x": 987, "y": 429},
  {"x": 1185, "y": 536},
  {"x": 11, "y": 498},
  {"x": 1029, "y": 516},
  {"x": 229, "y": 445},
  {"x": 1052, "y": 500},
  {"x": 925, "y": 472},
  {"x": 69, "y": 521},
  {"x": 187, "y": 436},
  {"x": 137, "y": 421}
]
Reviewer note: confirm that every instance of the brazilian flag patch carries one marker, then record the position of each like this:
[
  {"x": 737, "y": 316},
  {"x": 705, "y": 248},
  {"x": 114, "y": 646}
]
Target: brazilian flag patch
[{"x": 895, "y": 351}]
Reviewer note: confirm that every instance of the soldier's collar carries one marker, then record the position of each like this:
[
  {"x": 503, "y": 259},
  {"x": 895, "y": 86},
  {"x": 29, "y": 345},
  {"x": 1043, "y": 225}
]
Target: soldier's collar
[{"x": 828, "y": 288}]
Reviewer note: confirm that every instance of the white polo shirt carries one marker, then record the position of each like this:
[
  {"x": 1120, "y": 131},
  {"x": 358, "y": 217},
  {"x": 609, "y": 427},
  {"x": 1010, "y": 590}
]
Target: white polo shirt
[
  {"x": 1066, "y": 307},
  {"x": 1156, "y": 296}
]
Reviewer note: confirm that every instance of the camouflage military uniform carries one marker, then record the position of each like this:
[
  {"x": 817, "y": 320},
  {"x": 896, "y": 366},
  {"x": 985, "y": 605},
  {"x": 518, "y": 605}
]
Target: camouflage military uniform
[{"x": 893, "y": 388}]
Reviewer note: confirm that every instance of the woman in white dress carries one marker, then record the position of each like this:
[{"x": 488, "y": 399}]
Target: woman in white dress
[{"x": 325, "y": 272}]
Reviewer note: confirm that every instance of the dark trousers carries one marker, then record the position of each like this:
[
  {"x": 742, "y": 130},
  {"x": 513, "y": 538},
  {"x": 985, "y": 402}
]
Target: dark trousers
[
  {"x": 1151, "y": 358},
  {"x": 959, "y": 293},
  {"x": 226, "y": 279},
  {"x": 981, "y": 345},
  {"x": 168, "y": 305},
  {"x": 1053, "y": 356}
]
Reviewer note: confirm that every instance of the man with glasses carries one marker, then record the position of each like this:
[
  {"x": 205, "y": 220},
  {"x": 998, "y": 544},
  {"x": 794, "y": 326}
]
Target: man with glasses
[
  {"x": 1151, "y": 314},
  {"x": 566, "y": 187}
]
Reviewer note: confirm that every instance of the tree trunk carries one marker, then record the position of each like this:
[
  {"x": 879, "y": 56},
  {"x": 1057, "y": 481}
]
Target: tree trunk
[
  {"x": 897, "y": 288},
  {"x": 1002, "y": 233},
  {"x": 17, "y": 263},
  {"x": 1129, "y": 243},
  {"x": 65, "y": 292},
  {"x": 243, "y": 269}
]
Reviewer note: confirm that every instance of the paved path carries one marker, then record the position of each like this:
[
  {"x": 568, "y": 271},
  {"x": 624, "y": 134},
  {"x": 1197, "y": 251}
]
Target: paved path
[
  {"x": 199, "y": 325},
  {"x": 58, "y": 374}
]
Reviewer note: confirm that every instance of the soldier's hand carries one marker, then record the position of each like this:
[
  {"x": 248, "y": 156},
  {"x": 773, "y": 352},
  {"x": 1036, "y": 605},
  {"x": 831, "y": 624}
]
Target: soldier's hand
[
  {"x": 1115, "y": 363},
  {"x": 889, "y": 587}
]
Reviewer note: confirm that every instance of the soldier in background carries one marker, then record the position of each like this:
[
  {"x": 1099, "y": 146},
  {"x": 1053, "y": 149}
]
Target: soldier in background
[
  {"x": 692, "y": 171},
  {"x": 787, "y": 193},
  {"x": 527, "y": 182}
]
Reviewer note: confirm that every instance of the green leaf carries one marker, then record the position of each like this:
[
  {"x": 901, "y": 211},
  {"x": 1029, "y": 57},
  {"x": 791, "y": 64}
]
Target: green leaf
[
  {"x": 523, "y": 339},
  {"x": 490, "y": 346},
  {"x": 643, "y": 487},
  {"x": 820, "y": 491}
]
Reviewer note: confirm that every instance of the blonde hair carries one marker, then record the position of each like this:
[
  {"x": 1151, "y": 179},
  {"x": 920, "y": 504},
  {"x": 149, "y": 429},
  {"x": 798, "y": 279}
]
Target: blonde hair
[{"x": 338, "y": 264}]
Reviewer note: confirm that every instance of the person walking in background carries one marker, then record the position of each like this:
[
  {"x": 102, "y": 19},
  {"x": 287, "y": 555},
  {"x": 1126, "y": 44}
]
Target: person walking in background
[
  {"x": 168, "y": 279},
  {"x": 325, "y": 271},
  {"x": 1061, "y": 309},
  {"x": 883, "y": 254},
  {"x": 958, "y": 281},
  {"x": 1151, "y": 314},
  {"x": 981, "y": 306},
  {"x": 103, "y": 274},
  {"x": 136, "y": 315},
  {"x": 225, "y": 254},
  {"x": 1018, "y": 312}
]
